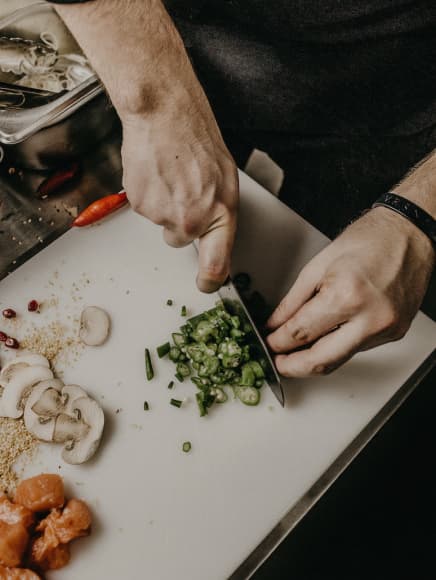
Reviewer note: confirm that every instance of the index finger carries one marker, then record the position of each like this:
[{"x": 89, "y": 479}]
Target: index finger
[{"x": 326, "y": 355}]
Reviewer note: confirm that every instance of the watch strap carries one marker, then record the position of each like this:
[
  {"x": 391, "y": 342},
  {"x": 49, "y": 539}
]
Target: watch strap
[{"x": 415, "y": 214}]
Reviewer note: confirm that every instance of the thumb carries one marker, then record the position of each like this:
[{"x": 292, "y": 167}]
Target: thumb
[{"x": 215, "y": 249}]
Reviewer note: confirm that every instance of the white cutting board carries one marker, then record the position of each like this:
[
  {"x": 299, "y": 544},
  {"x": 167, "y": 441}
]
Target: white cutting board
[{"x": 161, "y": 514}]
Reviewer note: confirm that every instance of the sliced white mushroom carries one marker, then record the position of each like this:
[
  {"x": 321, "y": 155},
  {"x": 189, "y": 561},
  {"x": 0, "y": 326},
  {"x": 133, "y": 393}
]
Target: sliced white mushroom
[
  {"x": 19, "y": 385},
  {"x": 20, "y": 362},
  {"x": 70, "y": 393},
  {"x": 49, "y": 404},
  {"x": 79, "y": 450},
  {"x": 41, "y": 427},
  {"x": 69, "y": 430},
  {"x": 94, "y": 326}
]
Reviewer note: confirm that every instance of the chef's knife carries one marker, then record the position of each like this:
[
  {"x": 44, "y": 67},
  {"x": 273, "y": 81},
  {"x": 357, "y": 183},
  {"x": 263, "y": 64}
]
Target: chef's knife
[{"x": 230, "y": 295}]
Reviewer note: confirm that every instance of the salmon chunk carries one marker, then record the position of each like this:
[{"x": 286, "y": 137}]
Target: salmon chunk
[
  {"x": 17, "y": 574},
  {"x": 74, "y": 521},
  {"x": 11, "y": 513},
  {"x": 13, "y": 542},
  {"x": 41, "y": 493},
  {"x": 45, "y": 556}
]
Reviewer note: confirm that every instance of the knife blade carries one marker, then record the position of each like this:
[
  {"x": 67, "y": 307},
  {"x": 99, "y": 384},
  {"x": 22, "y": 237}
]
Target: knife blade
[{"x": 230, "y": 295}]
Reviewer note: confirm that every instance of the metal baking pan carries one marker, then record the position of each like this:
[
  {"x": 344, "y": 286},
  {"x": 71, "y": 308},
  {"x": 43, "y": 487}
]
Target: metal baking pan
[{"x": 25, "y": 110}]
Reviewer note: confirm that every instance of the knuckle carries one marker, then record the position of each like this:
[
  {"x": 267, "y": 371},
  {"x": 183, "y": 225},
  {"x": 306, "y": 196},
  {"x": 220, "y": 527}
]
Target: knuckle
[
  {"x": 320, "y": 369},
  {"x": 189, "y": 227},
  {"x": 300, "y": 334}
]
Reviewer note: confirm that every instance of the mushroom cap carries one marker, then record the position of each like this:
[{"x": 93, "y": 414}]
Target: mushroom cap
[
  {"x": 19, "y": 362},
  {"x": 94, "y": 326},
  {"x": 23, "y": 379},
  {"x": 84, "y": 448},
  {"x": 42, "y": 428}
]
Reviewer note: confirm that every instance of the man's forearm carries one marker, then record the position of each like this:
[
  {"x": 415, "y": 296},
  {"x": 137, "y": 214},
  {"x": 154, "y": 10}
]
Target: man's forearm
[
  {"x": 419, "y": 186},
  {"x": 132, "y": 45}
]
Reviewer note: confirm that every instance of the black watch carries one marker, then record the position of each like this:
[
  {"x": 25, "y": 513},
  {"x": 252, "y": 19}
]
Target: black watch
[{"x": 415, "y": 214}]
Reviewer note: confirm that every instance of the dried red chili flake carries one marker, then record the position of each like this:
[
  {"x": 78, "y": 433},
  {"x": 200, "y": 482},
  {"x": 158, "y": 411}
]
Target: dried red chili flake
[
  {"x": 12, "y": 342},
  {"x": 58, "y": 179},
  {"x": 33, "y": 306},
  {"x": 9, "y": 313},
  {"x": 3, "y": 336}
]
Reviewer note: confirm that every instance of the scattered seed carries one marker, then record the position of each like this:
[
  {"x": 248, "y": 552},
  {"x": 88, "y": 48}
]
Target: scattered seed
[
  {"x": 169, "y": 302},
  {"x": 187, "y": 446},
  {"x": 146, "y": 406}
]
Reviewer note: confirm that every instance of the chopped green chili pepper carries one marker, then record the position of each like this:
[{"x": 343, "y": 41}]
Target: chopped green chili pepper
[
  {"x": 183, "y": 369},
  {"x": 220, "y": 394},
  {"x": 183, "y": 311},
  {"x": 174, "y": 353},
  {"x": 179, "y": 377},
  {"x": 148, "y": 366},
  {"x": 204, "y": 401},
  {"x": 248, "y": 395},
  {"x": 176, "y": 403},
  {"x": 179, "y": 339},
  {"x": 217, "y": 348},
  {"x": 209, "y": 366},
  {"x": 163, "y": 349},
  {"x": 187, "y": 446},
  {"x": 248, "y": 376},
  {"x": 146, "y": 406}
]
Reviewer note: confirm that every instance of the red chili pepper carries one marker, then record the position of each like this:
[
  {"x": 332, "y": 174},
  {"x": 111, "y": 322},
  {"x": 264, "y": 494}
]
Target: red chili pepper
[
  {"x": 58, "y": 179},
  {"x": 100, "y": 209}
]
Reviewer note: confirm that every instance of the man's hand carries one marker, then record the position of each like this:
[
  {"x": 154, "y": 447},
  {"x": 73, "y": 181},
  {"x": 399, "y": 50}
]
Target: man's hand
[
  {"x": 361, "y": 291},
  {"x": 179, "y": 174},
  {"x": 177, "y": 169}
]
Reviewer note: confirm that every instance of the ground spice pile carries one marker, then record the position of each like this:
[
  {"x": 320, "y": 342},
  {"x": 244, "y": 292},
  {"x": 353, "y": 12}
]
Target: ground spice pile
[
  {"x": 15, "y": 442},
  {"x": 54, "y": 342}
]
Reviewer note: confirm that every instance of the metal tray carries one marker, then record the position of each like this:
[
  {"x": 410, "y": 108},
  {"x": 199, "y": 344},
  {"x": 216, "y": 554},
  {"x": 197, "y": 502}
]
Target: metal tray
[{"x": 17, "y": 123}]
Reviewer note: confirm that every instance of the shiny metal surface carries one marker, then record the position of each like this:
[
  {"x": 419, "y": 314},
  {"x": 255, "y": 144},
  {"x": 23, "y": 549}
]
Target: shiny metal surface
[
  {"x": 228, "y": 292},
  {"x": 29, "y": 221}
]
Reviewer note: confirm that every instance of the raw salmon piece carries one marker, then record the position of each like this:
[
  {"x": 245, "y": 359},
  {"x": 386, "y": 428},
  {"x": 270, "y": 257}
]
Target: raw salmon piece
[
  {"x": 11, "y": 513},
  {"x": 41, "y": 493},
  {"x": 73, "y": 522},
  {"x": 46, "y": 557},
  {"x": 17, "y": 574},
  {"x": 13, "y": 542}
]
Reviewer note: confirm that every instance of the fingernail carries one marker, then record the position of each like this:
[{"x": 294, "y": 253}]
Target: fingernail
[{"x": 207, "y": 286}]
